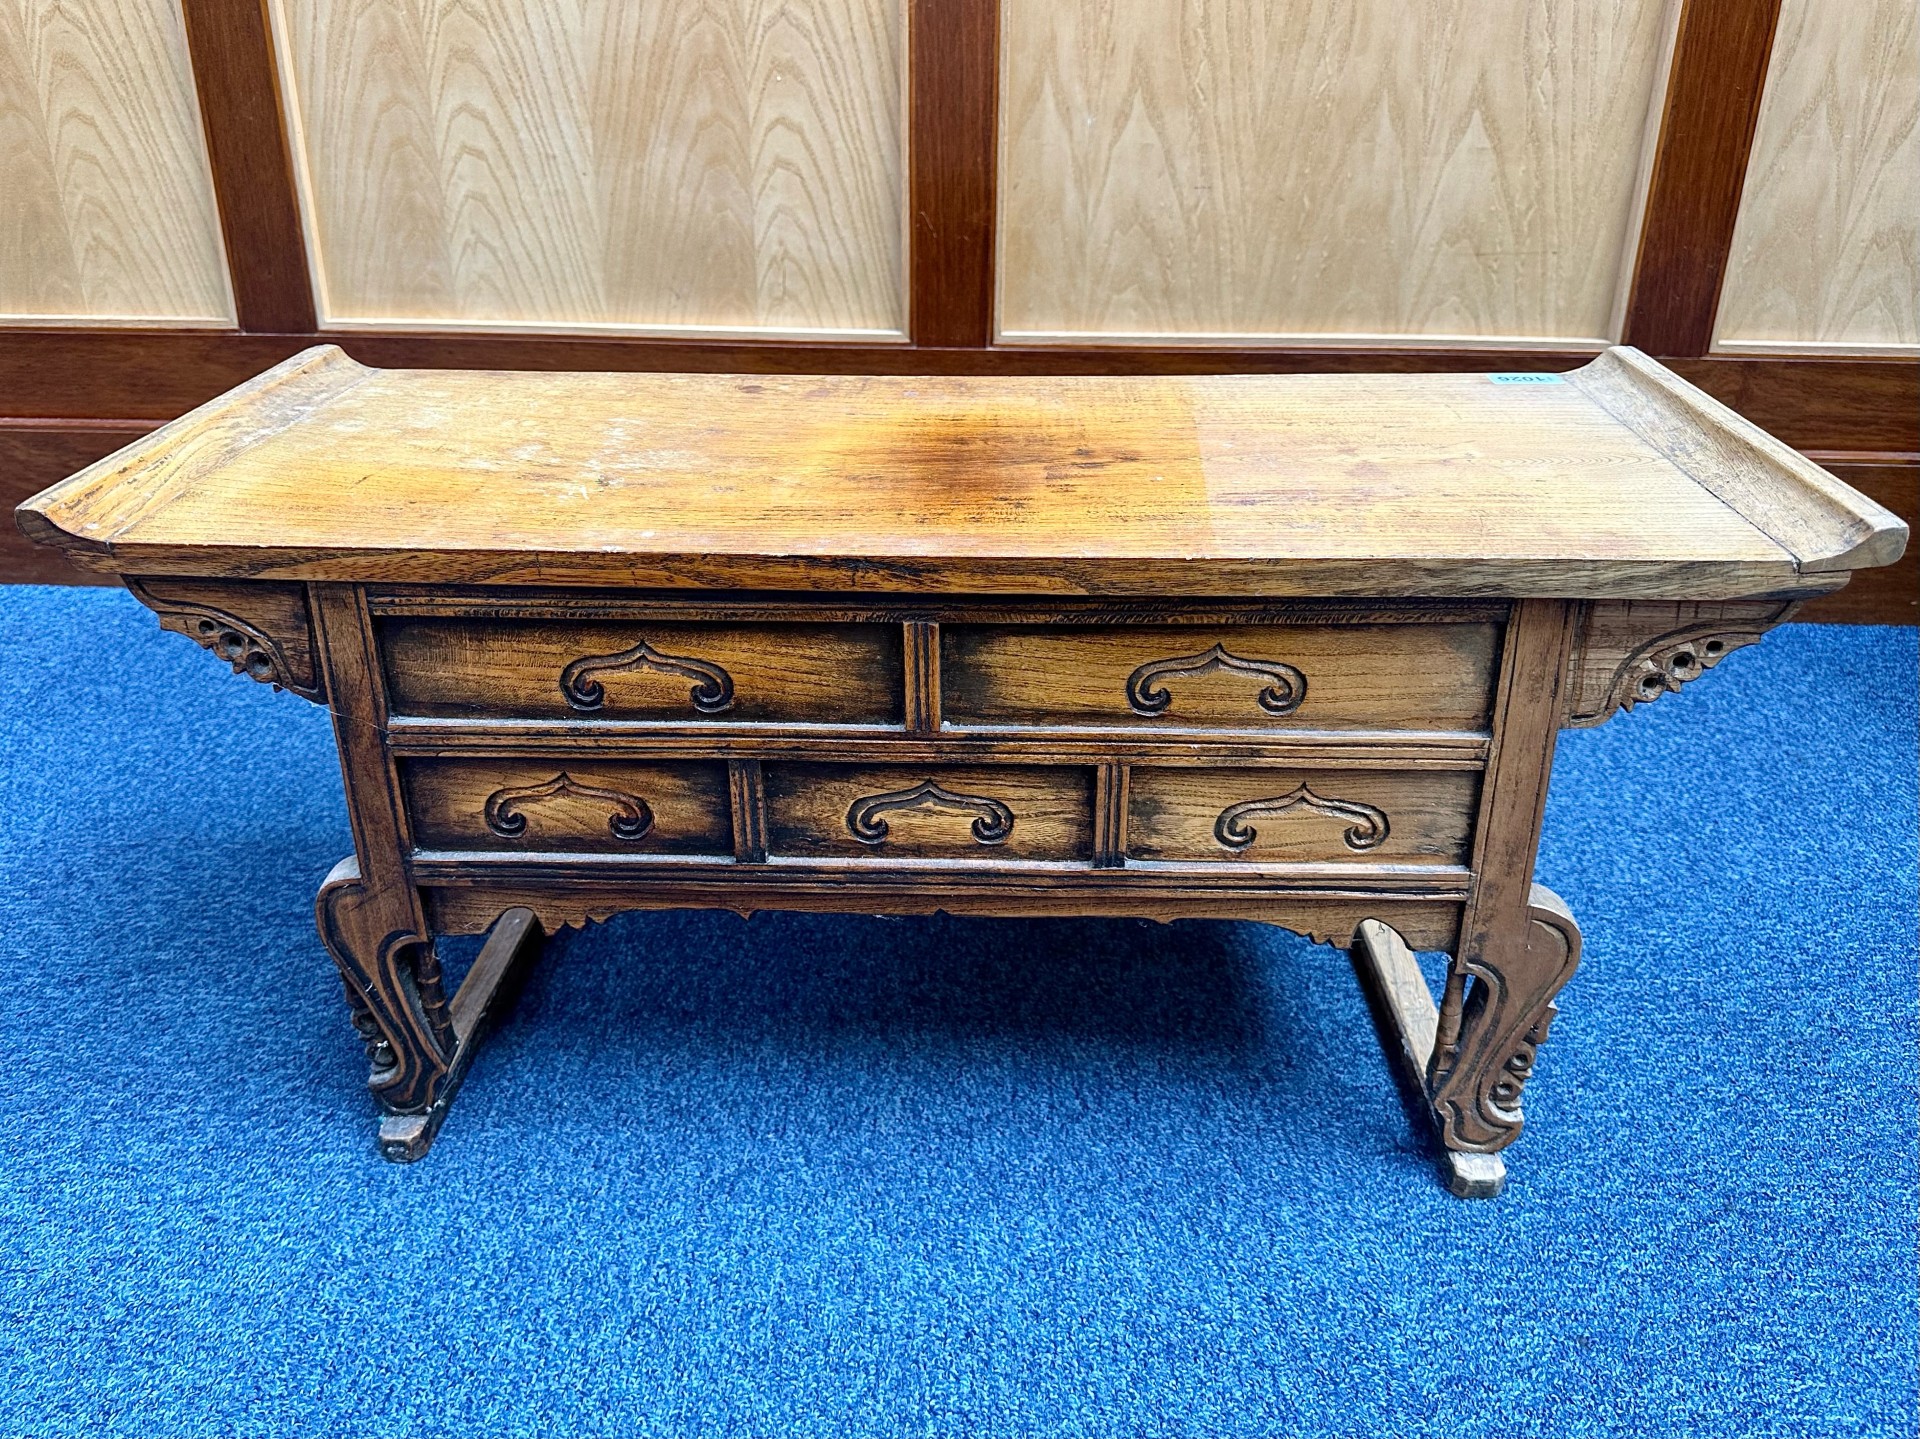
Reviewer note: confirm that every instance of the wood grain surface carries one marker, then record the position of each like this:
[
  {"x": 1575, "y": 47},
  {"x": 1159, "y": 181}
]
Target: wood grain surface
[
  {"x": 1416, "y": 677},
  {"x": 1025, "y": 812},
  {"x": 822, "y": 674},
  {"x": 717, "y": 164},
  {"x": 568, "y": 804},
  {"x": 1321, "y": 167},
  {"x": 1284, "y": 485},
  {"x": 1826, "y": 254},
  {"x": 107, "y": 213},
  {"x": 1175, "y": 814}
]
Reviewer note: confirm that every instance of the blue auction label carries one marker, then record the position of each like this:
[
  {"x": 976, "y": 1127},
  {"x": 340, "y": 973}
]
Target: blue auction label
[{"x": 1528, "y": 377}]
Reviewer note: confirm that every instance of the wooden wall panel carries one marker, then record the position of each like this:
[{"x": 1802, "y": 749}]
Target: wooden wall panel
[
  {"x": 106, "y": 206},
  {"x": 1826, "y": 253},
  {"x": 707, "y": 164},
  {"x": 1889, "y": 595},
  {"x": 1323, "y": 168},
  {"x": 38, "y": 453}
]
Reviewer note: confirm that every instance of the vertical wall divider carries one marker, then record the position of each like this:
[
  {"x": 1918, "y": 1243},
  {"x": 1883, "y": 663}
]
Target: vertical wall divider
[
  {"x": 1712, "y": 105},
  {"x": 953, "y": 69},
  {"x": 236, "y": 77}
]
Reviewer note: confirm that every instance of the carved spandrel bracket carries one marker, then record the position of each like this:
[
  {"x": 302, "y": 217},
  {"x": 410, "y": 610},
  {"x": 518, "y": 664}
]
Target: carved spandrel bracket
[
  {"x": 1631, "y": 652},
  {"x": 260, "y": 627}
]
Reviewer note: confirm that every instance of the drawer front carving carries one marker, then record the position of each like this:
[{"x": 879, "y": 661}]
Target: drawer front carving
[
  {"x": 1283, "y": 816},
  {"x": 683, "y": 672},
  {"x": 569, "y": 805},
  {"x": 582, "y": 689},
  {"x": 1282, "y": 693},
  {"x": 1367, "y": 826},
  {"x": 1008, "y": 812},
  {"x": 1315, "y": 677},
  {"x": 991, "y": 821}
]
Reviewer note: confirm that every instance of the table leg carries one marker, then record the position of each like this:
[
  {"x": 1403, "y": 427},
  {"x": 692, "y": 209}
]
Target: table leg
[
  {"x": 1465, "y": 1061},
  {"x": 418, "y": 1045},
  {"x": 511, "y": 948},
  {"x": 1405, "y": 1017}
]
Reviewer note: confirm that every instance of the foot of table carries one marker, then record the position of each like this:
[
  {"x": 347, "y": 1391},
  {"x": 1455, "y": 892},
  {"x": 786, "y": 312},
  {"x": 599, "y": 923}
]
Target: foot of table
[
  {"x": 512, "y": 945},
  {"x": 1407, "y": 1019}
]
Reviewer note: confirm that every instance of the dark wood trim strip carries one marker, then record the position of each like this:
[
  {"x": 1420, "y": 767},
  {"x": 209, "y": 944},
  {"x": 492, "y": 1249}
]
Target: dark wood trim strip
[
  {"x": 921, "y": 640},
  {"x": 1111, "y": 785},
  {"x": 747, "y": 793},
  {"x": 953, "y": 84},
  {"x": 1817, "y": 404},
  {"x": 1700, "y": 166},
  {"x": 1889, "y": 595},
  {"x": 247, "y": 143},
  {"x": 111, "y": 431}
]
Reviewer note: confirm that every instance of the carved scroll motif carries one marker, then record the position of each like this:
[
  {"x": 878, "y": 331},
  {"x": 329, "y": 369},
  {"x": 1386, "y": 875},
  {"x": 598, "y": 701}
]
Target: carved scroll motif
[
  {"x": 1147, "y": 694},
  {"x": 992, "y": 820},
  {"x": 241, "y": 643},
  {"x": 505, "y": 808},
  {"x": 712, "y": 690},
  {"x": 395, "y": 992},
  {"x": 1368, "y": 828},
  {"x": 1617, "y": 667},
  {"x": 1488, "y": 1035}
]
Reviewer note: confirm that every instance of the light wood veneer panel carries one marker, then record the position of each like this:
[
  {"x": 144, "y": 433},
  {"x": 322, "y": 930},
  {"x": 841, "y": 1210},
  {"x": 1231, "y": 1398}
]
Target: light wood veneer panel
[
  {"x": 1826, "y": 254},
  {"x": 554, "y": 164},
  {"x": 1326, "y": 168},
  {"x": 107, "y": 213}
]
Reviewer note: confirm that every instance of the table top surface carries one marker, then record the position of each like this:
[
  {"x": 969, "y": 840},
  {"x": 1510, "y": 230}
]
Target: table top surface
[{"x": 1616, "y": 479}]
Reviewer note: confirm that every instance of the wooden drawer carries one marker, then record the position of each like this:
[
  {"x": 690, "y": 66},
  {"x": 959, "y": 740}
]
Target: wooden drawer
[
  {"x": 1242, "y": 677},
  {"x": 1006, "y": 812},
  {"x": 1302, "y": 816},
  {"x": 682, "y": 672},
  {"x": 575, "y": 805}
]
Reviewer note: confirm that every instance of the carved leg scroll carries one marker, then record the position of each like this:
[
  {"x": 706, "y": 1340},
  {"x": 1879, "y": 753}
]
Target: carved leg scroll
[
  {"x": 1463, "y": 1064},
  {"x": 418, "y": 1044},
  {"x": 393, "y": 987},
  {"x": 1487, "y": 1035}
]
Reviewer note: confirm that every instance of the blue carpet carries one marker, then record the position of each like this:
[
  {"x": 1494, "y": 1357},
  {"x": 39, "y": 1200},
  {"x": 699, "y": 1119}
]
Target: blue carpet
[{"x": 852, "y": 1176}]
